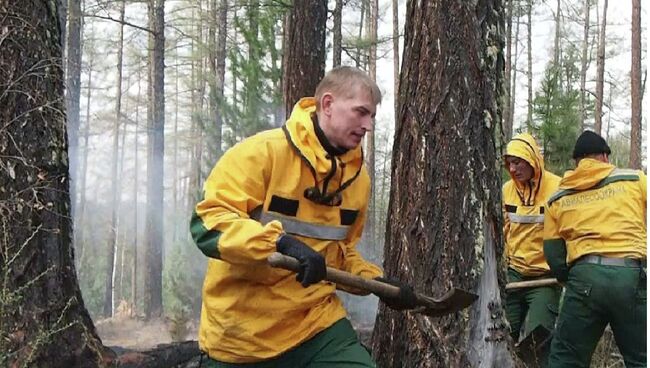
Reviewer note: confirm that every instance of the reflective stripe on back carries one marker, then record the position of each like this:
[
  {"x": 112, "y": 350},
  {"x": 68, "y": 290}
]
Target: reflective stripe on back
[{"x": 526, "y": 219}]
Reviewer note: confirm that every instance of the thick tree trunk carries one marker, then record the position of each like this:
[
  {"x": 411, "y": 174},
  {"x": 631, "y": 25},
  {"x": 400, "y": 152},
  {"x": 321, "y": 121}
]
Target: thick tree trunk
[
  {"x": 73, "y": 93},
  {"x": 635, "y": 76},
  {"x": 155, "y": 191},
  {"x": 304, "y": 50},
  {"x": 600, "y": 73},
  {"x": 445, "y": 221},
  {"x": 41, "y": 307},
  {"x": 583, "y": 65}
]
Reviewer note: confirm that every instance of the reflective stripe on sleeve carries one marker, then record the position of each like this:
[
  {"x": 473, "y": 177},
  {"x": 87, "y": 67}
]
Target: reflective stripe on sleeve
[{"x": 307, "y": 229}]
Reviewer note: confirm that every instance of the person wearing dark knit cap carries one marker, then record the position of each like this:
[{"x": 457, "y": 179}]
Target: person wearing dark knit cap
[{"x": 595, "y": 243}]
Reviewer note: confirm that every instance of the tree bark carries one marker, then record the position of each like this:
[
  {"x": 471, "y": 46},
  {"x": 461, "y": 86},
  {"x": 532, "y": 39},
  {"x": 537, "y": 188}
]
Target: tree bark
[
  {"x": 635, "y": 76},
  {"x": 111, "y": 245},
  {"x": 395, "y": 57},
  {"x": 445, "y": 223},
  {"x": 41, "y": 307},
  {"x": 155, "y": 191},
  {"x": 583, "y": 65},
  {"x": 513, "y": 85},
  {"x": 600, "y": 73},
  {"x": 507, "y": 127},
  {"x": 529, "y": 119},
  {"x": 73, "y": 93},
  {"x": 371, "y": 219},
  {"x": 304, "y": 50},
  {"x": 337, "y": 37}
]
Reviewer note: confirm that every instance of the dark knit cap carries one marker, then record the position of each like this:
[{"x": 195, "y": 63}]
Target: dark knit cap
[{"x": 590, "y": 143}]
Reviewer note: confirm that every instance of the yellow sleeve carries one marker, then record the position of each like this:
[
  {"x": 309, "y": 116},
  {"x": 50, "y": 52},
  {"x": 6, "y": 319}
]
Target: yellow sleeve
[
  {"x": 551, "y": 230},
  {"x": 644, "y": 191},
  {"x": 221, "y": 225}
]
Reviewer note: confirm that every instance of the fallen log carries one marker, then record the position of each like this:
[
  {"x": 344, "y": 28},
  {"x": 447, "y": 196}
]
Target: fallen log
[{"x": 174, "y": 355}]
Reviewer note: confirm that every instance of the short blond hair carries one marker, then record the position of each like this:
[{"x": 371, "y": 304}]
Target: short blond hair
[{"x": 344, "y": 81}]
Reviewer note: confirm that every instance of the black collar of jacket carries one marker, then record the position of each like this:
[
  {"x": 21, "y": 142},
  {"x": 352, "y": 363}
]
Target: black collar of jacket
[{"x": 322, "y": 138}]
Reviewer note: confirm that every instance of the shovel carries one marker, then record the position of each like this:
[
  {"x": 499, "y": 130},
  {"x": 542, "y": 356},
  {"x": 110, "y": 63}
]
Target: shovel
[{"x": 452, "y": 301}]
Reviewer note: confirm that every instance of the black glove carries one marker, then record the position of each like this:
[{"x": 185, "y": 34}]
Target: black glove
[
  {"x": 312, "y": 264},
  {"x": 406, "y": 298}
]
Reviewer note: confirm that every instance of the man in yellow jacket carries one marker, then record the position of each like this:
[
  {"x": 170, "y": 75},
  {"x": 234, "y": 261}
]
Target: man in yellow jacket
[
  {"x": 595, "y": 242},
  {"x": 523, "y": 198},
  {"x": 301, "y": 190}
]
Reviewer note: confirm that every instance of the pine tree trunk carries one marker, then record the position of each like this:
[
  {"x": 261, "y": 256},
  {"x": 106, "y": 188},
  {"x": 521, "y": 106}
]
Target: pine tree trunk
[
  {"x": 73, "y": 93},
  {"x": 79, "y": 236},
  {"x": 445, "y": 222},
  {"x": 359, "y": 63},
  {"x": 395, "y": 4},
  {"x": 136, "y": 168},
  {"x": 153, "y": 230},
  {"x": 529, "y": 119},
  {"x": 111, "y": 245},
  {"x": 600, "y": 73},
  {"x": 304, "y": 51},
  {"x": 635, "y": 76},
  {"x": 370, "y": 136},
  {"x": 507, "y": 128},
  {"x": 513, "y": 85},
  {"x": 43, "y": 320},
  {"x": 557, "y": 48},
  {"x": 337, "y": 36},
  {"x": 216, "y": 91},
  {"x": 583, "y": 65}
]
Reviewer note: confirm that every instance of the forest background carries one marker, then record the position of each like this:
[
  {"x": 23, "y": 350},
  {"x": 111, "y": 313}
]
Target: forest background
[{"x": 223, "y": 81}]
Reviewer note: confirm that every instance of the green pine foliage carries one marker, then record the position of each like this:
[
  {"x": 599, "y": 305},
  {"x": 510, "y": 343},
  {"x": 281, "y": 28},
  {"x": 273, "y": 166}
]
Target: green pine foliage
[
  {"x": 255, "y": 63},
  {"x": 182, "y": 281},
  {"x": 557, "y": 116}
]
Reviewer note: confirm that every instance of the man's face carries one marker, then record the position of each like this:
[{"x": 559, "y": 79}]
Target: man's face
[
  {"x": 346, "y": 119},
  {"x": 519, "y": 169}
]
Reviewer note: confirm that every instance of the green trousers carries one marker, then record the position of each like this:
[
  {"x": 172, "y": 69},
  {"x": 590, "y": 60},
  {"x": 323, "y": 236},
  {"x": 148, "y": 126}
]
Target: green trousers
[
  {"x": 534, "y": 309},
  {"x": 336, "y": 346},
  {"x": 597, "y": 295},
  {"x": 530, "y": 306}
]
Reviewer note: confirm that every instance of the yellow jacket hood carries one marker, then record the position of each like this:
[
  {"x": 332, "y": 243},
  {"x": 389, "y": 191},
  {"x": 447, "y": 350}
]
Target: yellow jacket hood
[
  {"x": 523, "y": 210},
  {"x": 524, "y": 147},
  {"x": 302, "y": 133},
  {"x": 588, "y": 173}
]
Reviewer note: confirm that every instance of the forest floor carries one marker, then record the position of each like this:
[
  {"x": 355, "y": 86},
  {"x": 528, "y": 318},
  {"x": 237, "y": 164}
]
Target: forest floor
[{"x": 134, "y": 333}]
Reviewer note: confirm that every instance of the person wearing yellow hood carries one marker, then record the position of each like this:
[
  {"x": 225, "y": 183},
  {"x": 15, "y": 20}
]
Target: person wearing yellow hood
[
  {"x": 301, "y": 190},
  {"x": 523, "y": 205},
  {"x": 595, "y": 242}
]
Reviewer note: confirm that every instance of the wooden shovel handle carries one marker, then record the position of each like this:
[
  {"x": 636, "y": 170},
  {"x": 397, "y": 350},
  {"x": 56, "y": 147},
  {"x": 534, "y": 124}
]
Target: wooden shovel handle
[
  {"x": 531, "y": 283},
  {"x": 381, "y": 289}
]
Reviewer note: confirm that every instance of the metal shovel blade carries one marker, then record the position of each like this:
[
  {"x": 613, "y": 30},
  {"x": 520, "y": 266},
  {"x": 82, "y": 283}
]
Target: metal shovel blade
[{"x": 453, "y": 301}]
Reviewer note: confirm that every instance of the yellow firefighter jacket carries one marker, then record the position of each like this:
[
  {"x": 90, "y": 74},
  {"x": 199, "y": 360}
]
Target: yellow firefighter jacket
[
  {"x": 599, "y": 209},
  {"x": 250, "y": 311},
  {"x": 523, "y": 209}
]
